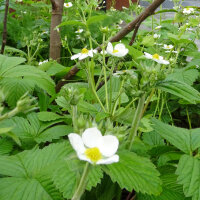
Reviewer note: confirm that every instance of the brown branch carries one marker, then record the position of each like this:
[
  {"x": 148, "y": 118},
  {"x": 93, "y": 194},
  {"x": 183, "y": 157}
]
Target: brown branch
[
  {"x": 4, "y": 36},
  {"x": 134, "y": 25}
]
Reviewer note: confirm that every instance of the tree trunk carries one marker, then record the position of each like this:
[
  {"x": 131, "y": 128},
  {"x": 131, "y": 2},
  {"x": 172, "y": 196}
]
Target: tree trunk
[
  {"x": 4, "y": 37},
  {"x": 56, "y": 18}
]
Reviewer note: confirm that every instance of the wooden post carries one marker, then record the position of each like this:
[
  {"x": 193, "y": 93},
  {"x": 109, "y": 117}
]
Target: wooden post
[{"x": 118, "y": 4}]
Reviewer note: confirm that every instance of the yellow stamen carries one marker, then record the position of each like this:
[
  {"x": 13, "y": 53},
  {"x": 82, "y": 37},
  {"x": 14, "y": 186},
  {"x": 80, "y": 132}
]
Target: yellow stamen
[
  {"x": 93, "y": 154},
  {"x": 187, "y": 8},
  {"x": 84, "y": 51},
  {"x": 67, "y": 4},
  {"x": 115, "y": 51},
  {"x": 156, "y": 56}
]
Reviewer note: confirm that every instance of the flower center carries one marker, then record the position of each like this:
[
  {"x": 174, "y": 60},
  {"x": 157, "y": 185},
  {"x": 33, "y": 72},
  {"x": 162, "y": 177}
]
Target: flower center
[
  {"x": 67, "y": 4},
  {"x": 84, "y": 51},
  {"x": 156, "y": 56},
  {"x": 93, "y": 154},
  {"x": 115, "y": 51},
  {"x": 187, "y": 8}
]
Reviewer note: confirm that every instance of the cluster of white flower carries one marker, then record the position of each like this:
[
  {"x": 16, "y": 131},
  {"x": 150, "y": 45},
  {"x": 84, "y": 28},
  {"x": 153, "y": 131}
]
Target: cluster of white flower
[
  {"x": 119, "y": 51},
  {"x": 42, "y": 62},
  {"x": 188, "y": 11}
]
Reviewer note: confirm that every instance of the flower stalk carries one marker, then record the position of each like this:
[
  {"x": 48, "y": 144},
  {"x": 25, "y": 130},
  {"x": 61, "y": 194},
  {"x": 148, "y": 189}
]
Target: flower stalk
[
  {"x": 82, "y": 184},
  {"x": 136, "y": 121}
]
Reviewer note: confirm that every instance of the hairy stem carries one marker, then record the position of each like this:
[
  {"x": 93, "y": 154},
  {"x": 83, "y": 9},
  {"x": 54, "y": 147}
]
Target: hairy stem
[
  {"x": 82, "y": 184},
  {"x": 136, "y": 121}
]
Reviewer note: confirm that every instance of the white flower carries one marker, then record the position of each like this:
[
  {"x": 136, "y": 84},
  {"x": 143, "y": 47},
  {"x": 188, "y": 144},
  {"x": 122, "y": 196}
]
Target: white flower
[
  {"x": 156, "y": 36},
  {"x": 119, "y": 50},
  {"x": 68, "y": 5},
  {"x": 79, "y": 31},
  {"x": 158, "y": 27},
  {"x": 121, "y": 21},
  {"x": 189, "y": 29},
  {"x": 157, "y": 58},
  {"x": 95, "y": 148},
  {"x": 112, "y": 9},
  {"x": 42, "y": 62},
  {"x": 172, "y": 51},
  {"x": 125, "y": 8},
  {"x": 118, "y": 27},
  {"x": 159, "y": 44},
  {"x": 78, "y": 37},
  {"x": 168, "y": 46},
  {"x": 19, "y": 0},
  {"x": 105, "y": 52},
  {"x": 84, "y": 54},
  {"x": 188, "y": 11},
  {"x": 57, "y": 29}
]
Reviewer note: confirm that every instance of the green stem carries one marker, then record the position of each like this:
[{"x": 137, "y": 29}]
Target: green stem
[
  {"x": 118, "y": 96},
  {"x": 125, "y": 109},
  {"x": 162, "y": 106},
  {"x": 188, "y": 117},
  {"x": 148, "y": 101},
  {"x": 10, "y": 114},
  {"x": 94, "y": 89},
  {"x": 74, "y": 117},
  {"x": 82, "y": 184},
  {"x": 104, "y": 70},
  {"x": 136, "y": 121}
]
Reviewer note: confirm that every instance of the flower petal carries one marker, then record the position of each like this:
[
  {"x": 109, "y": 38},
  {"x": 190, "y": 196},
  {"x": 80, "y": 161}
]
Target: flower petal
[
  {"x": 92, "y": 137},
  {"x": 119, "y": 47},
  {"x": 83, "y": 157},
  {"x": 76, "y": 142},
  {"x": 147, "y": 55},
  {"x": 75, "y": 56},
  {"x": 165, "y": 62},
  {"x": 109, "y": 160},
  {"x": 108, "y": 145},
  {"x": 90, "y": 53},
  {"x": 109, "y": 48},
  {"x": 83, "y": 56}
]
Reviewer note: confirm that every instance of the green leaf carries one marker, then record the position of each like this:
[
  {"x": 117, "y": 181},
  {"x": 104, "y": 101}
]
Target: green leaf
[
  {"x": 48, "y": 116},
  {"x": 86, "y": 107},
  {"x": 6, "y": 146},
  {"x": 94, "y": 177},
  {"x": 7, "y": 63},
  {"x": 68, "y": 175},
  {"x": 178, "y": 40},
  {"x": 31, "y": 130},
  {"x": 96, "y": 19},
  {"x": 54, "y": 133},
  {"x": 184, "y": 139},
  {"x": 171, "y": 190},
  {"x": 187, "y": 76},
  {"x": 5, "y": 130},
  {"x": 17, "y": 79},
  {"x": 65, "y": 178},
  {"x": 188, "y": 172},
  {"x": 135, "y": 172},
  {"x": 30, "y": 173},
  {"x": 148, "y": 41},
  {"x": 180, "y": 89},
  {"x": 51, "y": 68},
  {"x": 27, "y": 189},
  {"x": 72, "y": 23}
]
